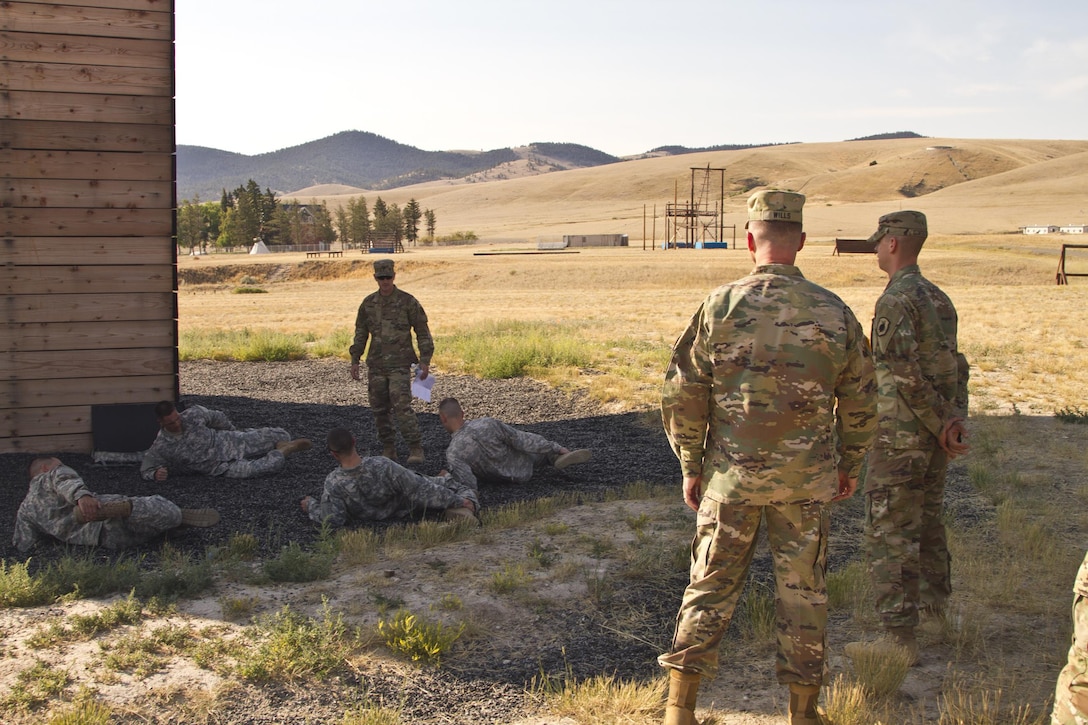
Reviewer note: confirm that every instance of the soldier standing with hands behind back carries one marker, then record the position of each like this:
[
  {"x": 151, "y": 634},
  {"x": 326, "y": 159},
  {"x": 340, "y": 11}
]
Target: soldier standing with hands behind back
[
  {"x": 922, "y": 402},
  {"x": 387, "y": 318}
]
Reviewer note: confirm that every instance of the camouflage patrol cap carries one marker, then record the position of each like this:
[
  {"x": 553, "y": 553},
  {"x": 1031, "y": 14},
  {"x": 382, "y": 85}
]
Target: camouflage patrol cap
[
  {"x": 383, "y": 268},
  {"x": 772, "y": 205},
  {"x": 907, "y": 223}
]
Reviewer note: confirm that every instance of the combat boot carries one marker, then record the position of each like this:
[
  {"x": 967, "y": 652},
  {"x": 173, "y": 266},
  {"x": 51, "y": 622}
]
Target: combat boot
[
  {"x": 415, "y": 455},
  {"x": 389, "y": 450},
  {"x": 569, "y": 459},
  {"x": 201, "y": 518},
  {"x": 902, "y": 638},
  {"x": 109, "y": 510},
  {"x": 459, "y": 515},
  {"x": 296, "y": 446},
  {"x": 115, "y": 510},
  {"x": 680, "y": 706},
  {"x": 803, "y": 709}
]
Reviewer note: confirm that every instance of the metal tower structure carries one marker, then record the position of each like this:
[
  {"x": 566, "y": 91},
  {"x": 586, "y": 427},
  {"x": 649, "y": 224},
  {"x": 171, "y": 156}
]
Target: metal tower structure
[{"x": 702, "y": 217}]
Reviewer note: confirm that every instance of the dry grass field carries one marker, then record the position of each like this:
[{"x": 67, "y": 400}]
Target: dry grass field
[{"x": 1022, "y": 332}]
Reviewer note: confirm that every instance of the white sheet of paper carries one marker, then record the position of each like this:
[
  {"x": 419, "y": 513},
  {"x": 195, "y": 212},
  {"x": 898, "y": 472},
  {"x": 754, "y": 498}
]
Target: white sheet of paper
[{"x": 422, "y": 388}]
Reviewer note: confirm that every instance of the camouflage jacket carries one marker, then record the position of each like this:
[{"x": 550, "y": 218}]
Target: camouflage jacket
[
  {"x": 770, "y": 391},
  {"x": 388, "y": 322},
  {"x": 490, "y": 449},
  {"x": 1080, "y": 585},
  {"x": 921, "y": 375},
  {"x": 205, "y": 445},
  {"x": 379, "y": 489},
  {"x": 48, "y": 511}
]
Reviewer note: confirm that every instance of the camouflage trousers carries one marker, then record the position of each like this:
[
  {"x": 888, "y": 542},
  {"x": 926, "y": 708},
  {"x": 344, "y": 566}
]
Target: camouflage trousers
[
  {"x": 151, "y": 516},
  {"x": 1071, "y": 693},
  {"x": 905, "y": 537},
  {"x": 721, "y": 554},
  {"x": 390, "y": 393},
  {"x": 258, "y": 442}
]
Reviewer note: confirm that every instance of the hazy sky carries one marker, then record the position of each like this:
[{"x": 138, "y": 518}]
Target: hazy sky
[{"x": 625, "y": 76}]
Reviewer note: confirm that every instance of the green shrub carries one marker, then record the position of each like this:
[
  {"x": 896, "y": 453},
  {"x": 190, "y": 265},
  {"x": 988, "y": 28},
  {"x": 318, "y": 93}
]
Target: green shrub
[
  {"x": 294, "y": 564},
  {"x": 184, "y": 577},
  {"x": 417, "y": 638},
  {"x": 18, "y": 588},
  {"x": 510, "y": 579},
  {"x": 292, "y": 647},
  {"x": 34, "y": 687}
]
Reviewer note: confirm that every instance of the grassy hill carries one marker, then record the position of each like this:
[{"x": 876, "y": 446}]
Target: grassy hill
[
  {"x": 359, "y": 159},
  {"x": 964, "y": 185}
]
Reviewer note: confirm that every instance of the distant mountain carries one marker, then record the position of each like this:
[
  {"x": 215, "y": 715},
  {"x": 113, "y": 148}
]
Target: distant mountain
[
  {"x": 367, "y": 161},
  {"x": 572, "y": 154},
  {"x": 354, "y": 158},
  {"x": 888, "y": 136},
  {"x": 679, "y": 150}
]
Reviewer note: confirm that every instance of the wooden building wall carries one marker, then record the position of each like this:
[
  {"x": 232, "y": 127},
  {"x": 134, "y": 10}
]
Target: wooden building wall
[{"x": 88, "y": 272}]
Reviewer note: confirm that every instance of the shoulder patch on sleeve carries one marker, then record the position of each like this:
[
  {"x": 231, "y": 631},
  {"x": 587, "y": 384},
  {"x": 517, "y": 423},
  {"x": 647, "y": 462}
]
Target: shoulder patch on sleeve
[{"x": 887, "y": 321}]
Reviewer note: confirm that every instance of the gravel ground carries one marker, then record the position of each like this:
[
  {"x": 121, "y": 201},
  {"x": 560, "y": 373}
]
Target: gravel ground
[
  {"x": 311, "y": 396},
  {"x": 308, "y": 398}
]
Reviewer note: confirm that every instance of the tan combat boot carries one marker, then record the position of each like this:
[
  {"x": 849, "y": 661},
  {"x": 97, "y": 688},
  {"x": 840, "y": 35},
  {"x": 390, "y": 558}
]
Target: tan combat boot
[
  {"x": 803, "y": 709},
  {"x": 115, "y": 510},
  {"x": 110, "y": 510},
  {"x": 201, "y": 518},
  {"x": 415, "y": 454},
  {"x": 573, "y": 457},
  {"x": 901, "y": 638},
  {"x": 460, "y": 515},
  {"x": 389, "y": 450},
  {"x": 680, "y": 707},
  {"x": 296, "y": 446}
]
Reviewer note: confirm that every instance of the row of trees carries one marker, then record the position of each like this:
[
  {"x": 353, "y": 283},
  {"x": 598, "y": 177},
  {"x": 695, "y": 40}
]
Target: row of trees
[
  {"x": 355, "y": 225},
  {"x": 247, "y": 214}
]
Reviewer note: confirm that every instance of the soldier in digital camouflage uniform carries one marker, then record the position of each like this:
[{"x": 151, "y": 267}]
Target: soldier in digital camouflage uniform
[
  {"x": 377, "y": 489},
  {"x": 769, "y": 404},
  {"x": 492, "y": 451},
  {"x": 59, "y": 506},
  {"x": 200, "y": 440},
  {"x": 922, "y": 402},
  {"x": 388, "y": 317},
  {"x": 1071, "y": 693}
]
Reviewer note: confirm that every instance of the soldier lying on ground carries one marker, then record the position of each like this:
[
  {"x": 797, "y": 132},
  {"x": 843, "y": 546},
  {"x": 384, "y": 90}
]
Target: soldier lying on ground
[
  {"x": 58, "y": 505},
  {"x": 377, "y": 489},
  {"x": 492, "y": 451},
  {"x": 199, "y": 440}
]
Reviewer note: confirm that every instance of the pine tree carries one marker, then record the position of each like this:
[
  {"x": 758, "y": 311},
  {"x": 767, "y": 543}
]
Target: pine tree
[
  {"x": 431, "y": 222},
  {"x": 412, "y": 215}
]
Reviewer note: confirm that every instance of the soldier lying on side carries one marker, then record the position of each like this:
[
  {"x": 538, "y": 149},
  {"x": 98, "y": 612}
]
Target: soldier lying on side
[
  {"x": 58, "y": 505},
  {"x": 378, "y": 489}
]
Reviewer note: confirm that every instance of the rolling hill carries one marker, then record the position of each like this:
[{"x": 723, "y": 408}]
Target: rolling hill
[
  {"x": 964, "y": 185},
  {"x": 359, "y": 159}
]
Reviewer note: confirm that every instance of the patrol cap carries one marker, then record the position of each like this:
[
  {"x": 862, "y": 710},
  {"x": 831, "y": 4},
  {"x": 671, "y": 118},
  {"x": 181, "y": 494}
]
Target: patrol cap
[
  {"x": 772, "y": 205},
  {"x": 907, "y": 223},
  {"x": 383, "y": 268}
]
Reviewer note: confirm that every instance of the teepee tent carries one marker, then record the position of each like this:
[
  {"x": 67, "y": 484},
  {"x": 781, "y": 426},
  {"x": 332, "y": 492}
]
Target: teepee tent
[{"x": 259, "y": 247}]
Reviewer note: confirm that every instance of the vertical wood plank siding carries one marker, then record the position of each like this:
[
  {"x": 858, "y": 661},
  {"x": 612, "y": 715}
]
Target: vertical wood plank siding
[{"x": 88, "y": 272}]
